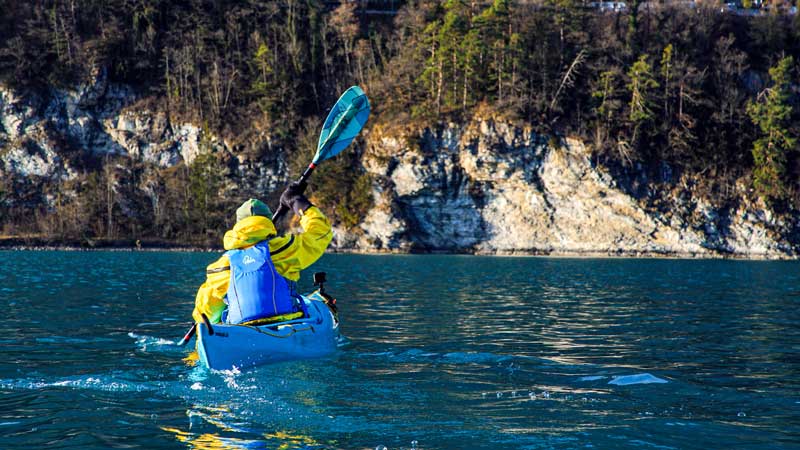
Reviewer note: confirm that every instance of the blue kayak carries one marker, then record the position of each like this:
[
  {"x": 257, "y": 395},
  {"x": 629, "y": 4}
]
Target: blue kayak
[{"x": 226, "y": 346}]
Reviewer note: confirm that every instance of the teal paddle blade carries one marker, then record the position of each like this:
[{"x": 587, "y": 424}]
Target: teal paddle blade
[{"x": 344, "y": 122}]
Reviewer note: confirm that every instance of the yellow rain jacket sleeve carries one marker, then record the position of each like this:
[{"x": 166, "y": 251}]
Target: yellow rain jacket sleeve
[{"x": 290, "y": 254}]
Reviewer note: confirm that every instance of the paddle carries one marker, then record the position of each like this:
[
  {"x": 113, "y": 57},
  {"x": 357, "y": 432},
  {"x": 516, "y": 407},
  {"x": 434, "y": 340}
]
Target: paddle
[
  {"x": 345, "y": 120},
  {"x": 342, "y": 125}
]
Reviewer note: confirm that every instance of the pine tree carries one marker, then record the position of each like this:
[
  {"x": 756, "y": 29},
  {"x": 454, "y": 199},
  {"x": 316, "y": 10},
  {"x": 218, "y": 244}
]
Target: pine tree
[
  {"x": 429, "y": 79},
  {"x": 494, "y": 23},
  {"x": 205, "y": 182},
  {"x": 667, "y": 75},
  {"x": 450, "y": 37},
  {"x": 262, "y": 88},
  {"x": 641, "y": 88},
  {"x": 772, "y": 112},
  {"x": 607, "y": 104},
  {"x": 472, "y": 48}
]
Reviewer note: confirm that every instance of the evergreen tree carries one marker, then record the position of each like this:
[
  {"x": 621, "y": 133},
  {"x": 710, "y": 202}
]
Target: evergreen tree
[
  {"x": 642, "y": 88},
  {"x": 772, "y": 113},
  {"x": 263, "y": 88},
  {"x": 472, "y": 51},
  {"x": 606, "y": 97},
  {"x": 431, "y": 77},
  {"x": 205, "y": 182},
  {"x": 451, "y": 35},
  {"x": 667, "y": 72}
]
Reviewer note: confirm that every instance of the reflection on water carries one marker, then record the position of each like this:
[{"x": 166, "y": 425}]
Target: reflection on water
[
  {"x": 227, "y": 435},
  {"x": 447, "y": 351}
]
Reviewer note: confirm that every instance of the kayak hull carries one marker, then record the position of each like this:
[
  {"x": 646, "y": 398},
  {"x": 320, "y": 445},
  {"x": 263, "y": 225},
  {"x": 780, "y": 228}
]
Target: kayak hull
[{"x": 243, "y": 346}]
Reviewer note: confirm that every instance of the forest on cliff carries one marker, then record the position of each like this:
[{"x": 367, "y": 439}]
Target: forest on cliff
[{"x": 674, "y": 89}]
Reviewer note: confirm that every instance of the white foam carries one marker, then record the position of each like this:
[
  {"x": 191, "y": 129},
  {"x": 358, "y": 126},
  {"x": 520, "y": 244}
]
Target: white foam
[
  {"x": 639, "y": 378},
  {"x": 230, "y": 376},
  {"x": 78, "y": 383},
  {"x": 144, "y": 341}
]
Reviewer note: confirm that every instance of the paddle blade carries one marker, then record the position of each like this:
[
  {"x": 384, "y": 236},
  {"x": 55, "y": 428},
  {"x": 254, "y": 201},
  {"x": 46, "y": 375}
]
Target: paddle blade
[{"x": 344, "y": 122}]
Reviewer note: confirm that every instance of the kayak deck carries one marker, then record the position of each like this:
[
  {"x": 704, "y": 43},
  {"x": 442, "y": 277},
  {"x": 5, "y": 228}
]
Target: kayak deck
[{"x": 246, "y": 346}]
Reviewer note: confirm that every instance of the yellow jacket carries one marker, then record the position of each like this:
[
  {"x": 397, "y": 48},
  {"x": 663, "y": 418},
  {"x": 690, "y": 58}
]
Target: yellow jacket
[{"x": 290, "y": 254}]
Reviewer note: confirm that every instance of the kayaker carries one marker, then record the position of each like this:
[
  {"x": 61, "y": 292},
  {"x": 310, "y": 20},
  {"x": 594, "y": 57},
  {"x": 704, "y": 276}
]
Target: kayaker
[{"x": 265, "y": 265}]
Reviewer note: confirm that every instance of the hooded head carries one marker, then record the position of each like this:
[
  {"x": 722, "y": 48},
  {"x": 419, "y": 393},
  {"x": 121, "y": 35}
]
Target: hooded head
[{"x": 253, "y": 207}]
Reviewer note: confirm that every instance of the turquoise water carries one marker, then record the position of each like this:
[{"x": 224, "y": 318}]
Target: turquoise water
[{"x": 446, "y": 352}]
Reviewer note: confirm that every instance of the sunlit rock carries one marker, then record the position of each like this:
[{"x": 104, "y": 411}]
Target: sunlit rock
[{"x": 492, "y": 187}]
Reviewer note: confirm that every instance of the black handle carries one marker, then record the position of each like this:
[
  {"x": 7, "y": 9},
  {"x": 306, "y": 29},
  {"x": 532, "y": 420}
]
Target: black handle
[
  {"x": 282, "y": 209},
  {"x": 208, "y": 324}
]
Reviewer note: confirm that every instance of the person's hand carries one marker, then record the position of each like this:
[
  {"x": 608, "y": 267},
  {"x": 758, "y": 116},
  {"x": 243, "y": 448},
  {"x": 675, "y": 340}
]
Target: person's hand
[{"x": 293, "y": 198}]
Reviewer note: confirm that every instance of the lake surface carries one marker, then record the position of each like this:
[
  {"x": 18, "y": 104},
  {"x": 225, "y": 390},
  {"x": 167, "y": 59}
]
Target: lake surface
[{"x": 446, "y": 352}]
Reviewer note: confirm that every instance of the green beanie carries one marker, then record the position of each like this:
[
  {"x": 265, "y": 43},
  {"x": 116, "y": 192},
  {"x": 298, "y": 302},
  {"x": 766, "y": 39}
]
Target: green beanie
[{"x": 253, "y": 207}]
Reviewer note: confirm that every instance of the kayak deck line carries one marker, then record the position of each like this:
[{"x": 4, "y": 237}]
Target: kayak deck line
[
  {"x": 278, "y": 335},
  {"x": 277, "y": 325}
]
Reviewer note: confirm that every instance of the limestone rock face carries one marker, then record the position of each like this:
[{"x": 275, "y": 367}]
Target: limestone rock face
[
  {"x": 484, "y": 186},
  {"x": 49, "y": 137},
  {"x": 97, "y": 118},
  {"x": 491, "y": 187}
]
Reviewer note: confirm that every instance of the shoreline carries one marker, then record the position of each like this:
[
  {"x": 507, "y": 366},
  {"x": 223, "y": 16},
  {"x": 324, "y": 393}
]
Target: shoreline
[
  {"x": 31, "y": 243},
  {"x": 155, "y": 245},
  {"x": 556, "y": 254}
]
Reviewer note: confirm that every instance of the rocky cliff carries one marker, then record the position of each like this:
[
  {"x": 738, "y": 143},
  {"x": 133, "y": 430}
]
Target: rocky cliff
[
  {"x": 35, "y": 129},
  {"x": 490, "y": 187},
  {"x": 484, "y": 186}
]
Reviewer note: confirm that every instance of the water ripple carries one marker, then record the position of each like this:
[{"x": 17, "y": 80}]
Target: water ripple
[{"x": 448, "y": 351}]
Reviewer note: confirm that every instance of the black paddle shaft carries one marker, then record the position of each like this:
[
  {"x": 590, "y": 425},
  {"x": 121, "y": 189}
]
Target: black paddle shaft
[{"x": 283, "y": 209}]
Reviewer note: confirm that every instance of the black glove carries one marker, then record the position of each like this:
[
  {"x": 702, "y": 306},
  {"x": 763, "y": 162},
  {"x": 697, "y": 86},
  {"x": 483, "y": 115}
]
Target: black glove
[{"x": 294, "y": 199}]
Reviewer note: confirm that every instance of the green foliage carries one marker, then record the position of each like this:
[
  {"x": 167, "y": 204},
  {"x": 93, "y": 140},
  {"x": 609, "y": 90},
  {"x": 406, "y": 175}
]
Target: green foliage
[
  {"x": 470, "y": 55},
  {"x": 263, "y": 88},
  {"x": 205, "y": 181},
  {"x": 343, "y": 193},
  {"x": 641, "y": 87},
  {"x": 353, "y": 206},
  {"x": 472, "y": 48},
  {"x": 430, "y": 78},
  {"x": 607, "y": 102},
  {"x": 604, "y": 96},
  {"x": 772, "y": 113},
  {"x": 666, "y": 64}
]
